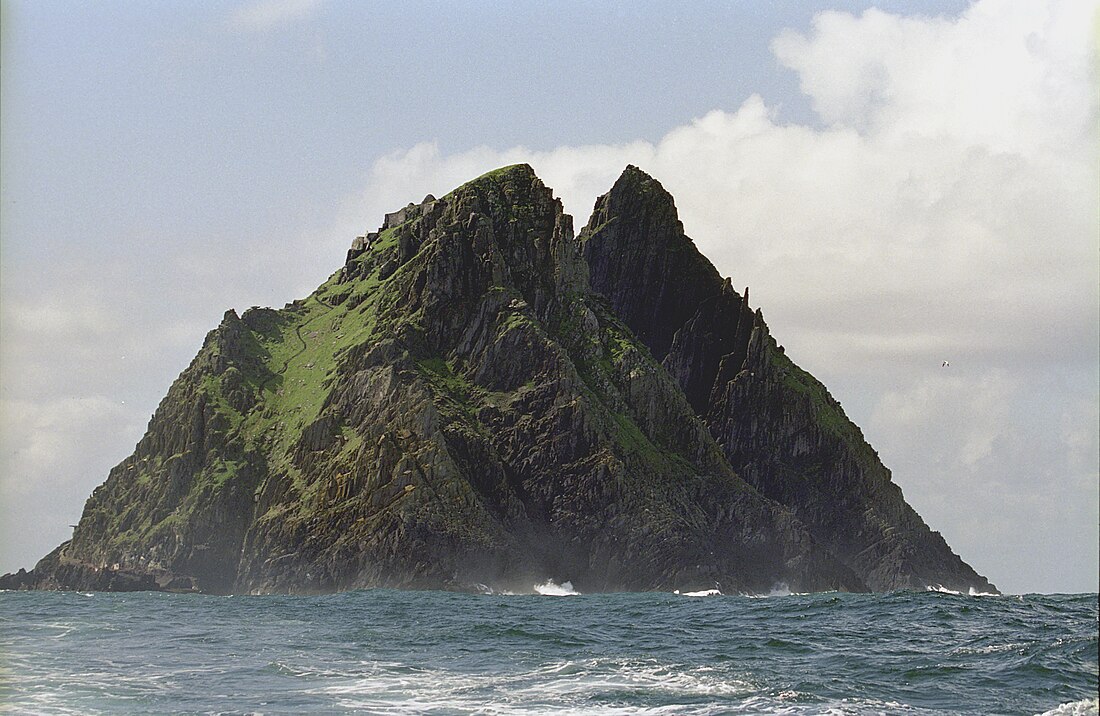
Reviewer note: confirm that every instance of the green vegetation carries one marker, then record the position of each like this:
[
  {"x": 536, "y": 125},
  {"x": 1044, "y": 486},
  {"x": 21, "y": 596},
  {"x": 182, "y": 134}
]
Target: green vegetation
[
  {"x": 505, "y": 172},
  {"x": 288, "y": 369},
  {"x": 827, "y": 412},
  {"x": 214, "y": 388},
  {"x": 281, "y": 375},
  {"x": 459, "y": 398}
]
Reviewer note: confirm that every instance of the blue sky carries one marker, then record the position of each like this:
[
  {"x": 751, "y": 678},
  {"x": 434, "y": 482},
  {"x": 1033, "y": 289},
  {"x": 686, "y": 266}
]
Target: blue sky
[{"x": 898, "y": 186}]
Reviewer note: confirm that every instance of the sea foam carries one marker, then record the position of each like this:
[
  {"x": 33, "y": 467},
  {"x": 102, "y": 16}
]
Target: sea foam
[
  {"x": 549, "y": 588},
  {"x": 701, "y": 593},
  {"x": 1084, "y": 707},
  {"x": 971, "y": 593}
]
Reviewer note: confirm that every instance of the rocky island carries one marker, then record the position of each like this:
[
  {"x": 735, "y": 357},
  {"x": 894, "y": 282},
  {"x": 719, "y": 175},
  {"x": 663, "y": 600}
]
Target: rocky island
[{"x": 480, "y": 398}]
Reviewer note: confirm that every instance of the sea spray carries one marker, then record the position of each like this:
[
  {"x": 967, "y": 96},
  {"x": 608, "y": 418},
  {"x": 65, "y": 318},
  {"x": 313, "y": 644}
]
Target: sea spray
[{"x": 550, "y": 589}]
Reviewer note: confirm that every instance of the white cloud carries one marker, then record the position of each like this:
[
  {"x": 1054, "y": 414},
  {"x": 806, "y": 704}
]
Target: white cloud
[
  {"x": 1005, "y": 464},
  {"x": 996, "y": 76},
  {"x": 955, "y": 423},
  {"x": 39, "y": 436},
  {"x": 51, "y": 451},
  {"x": 1079, "y": 421},
  {"x": 267, "y": 15}
]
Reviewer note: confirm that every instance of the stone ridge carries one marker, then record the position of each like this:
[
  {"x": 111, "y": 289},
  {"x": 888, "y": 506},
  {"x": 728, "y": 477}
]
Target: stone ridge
[{"x": 777, "y": 425}]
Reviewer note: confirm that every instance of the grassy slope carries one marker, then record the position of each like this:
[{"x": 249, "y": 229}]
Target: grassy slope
[{"x": 300, "y": 355}]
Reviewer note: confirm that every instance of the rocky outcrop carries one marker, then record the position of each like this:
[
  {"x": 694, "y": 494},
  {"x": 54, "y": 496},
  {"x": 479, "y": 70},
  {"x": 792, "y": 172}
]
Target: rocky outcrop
[
  {"x": 456, "y": 407},
  {"x": 777, "y": 425},
  {"x": 501, "y": 427}
]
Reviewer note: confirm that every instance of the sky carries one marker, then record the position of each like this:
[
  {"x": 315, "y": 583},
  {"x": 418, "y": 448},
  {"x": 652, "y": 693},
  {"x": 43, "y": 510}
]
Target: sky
[{"x": 899, "y": 184}]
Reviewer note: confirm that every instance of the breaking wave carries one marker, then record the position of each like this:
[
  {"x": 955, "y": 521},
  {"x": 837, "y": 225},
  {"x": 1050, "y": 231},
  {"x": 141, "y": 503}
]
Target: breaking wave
[
  {"x": 971, "y": 593},
  {"x": 701, "y": 593},
  {"x": 1085, "y": 707},
  {"x": 550, "y": 589},
  {"x": 781, "y": 589}
]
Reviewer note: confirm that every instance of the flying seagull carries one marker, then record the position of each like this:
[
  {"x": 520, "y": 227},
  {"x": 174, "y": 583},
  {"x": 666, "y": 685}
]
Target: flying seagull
[{"x": 945, "y": 365}]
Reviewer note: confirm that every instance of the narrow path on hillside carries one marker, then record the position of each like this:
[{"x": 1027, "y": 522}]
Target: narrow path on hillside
[{"x": 298, "y": 333}]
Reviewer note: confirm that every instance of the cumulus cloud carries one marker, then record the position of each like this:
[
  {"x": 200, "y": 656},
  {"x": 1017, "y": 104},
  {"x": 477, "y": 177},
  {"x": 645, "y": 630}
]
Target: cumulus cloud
[
  {"x": 1008, "y": 468},
  {"x": 965, "y": 417},
  {"x": 270, "y": 14},
  {"x": 994, "y": 77},
  {"x": 42, "y": 439}
]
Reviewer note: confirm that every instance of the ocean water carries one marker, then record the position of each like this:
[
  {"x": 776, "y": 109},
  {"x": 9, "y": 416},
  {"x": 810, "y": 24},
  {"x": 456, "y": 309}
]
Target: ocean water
[{"x": 382, "y": 652}]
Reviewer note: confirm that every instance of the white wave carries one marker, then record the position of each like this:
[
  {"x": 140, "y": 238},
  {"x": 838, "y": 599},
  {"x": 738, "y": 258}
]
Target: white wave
[
  {"x": 941, "y": 589},
  {"x": 779, "y": 590},
  {"x": 577, "y": 686},
  {"x": 702, "y": 593},
  {"x": 551, "y": 589},
  {"x": 786, "y": 703},
  {"x": 559, "y": 687},
  {"x": 492, "y": 591},
  {"x": 548, "y": 588},
  {"x": 1084, "y": 707},
  {"x": 992, "y": 649},
  {"x": 970, "y": 593}
]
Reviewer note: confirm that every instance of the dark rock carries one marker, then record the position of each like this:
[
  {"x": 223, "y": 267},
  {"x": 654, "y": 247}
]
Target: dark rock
[
  {"x": 456, "y": 406},
  {"x": 17, "y": 580},
  {"x": 777, "y": 425}
]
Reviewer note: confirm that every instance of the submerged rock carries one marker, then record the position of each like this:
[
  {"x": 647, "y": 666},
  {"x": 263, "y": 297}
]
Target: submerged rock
[{"x": 460, "y": 406}]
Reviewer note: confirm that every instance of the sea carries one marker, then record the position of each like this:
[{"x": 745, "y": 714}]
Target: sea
[{"x": 551, "y": 652}]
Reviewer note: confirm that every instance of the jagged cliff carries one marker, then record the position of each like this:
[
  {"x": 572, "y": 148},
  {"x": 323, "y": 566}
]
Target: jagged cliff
[
  {"x": 478, "y": 398},
  {"x": 777, "y": 425}
]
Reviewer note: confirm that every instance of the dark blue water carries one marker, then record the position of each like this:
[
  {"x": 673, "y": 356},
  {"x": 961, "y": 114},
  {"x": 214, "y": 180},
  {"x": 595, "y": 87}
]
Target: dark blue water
[{"x": 442, "y": 653}]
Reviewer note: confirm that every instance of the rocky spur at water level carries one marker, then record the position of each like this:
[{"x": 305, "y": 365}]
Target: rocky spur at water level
[{"x": 478, "y": 397}]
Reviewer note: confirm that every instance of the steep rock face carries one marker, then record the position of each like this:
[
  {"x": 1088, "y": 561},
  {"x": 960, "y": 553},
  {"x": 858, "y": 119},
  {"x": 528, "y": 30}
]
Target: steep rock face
[
  {"x": 174, "y": 513},
  {"x": 777, "y": 425},
  {"x": 453, "y": 407}
]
